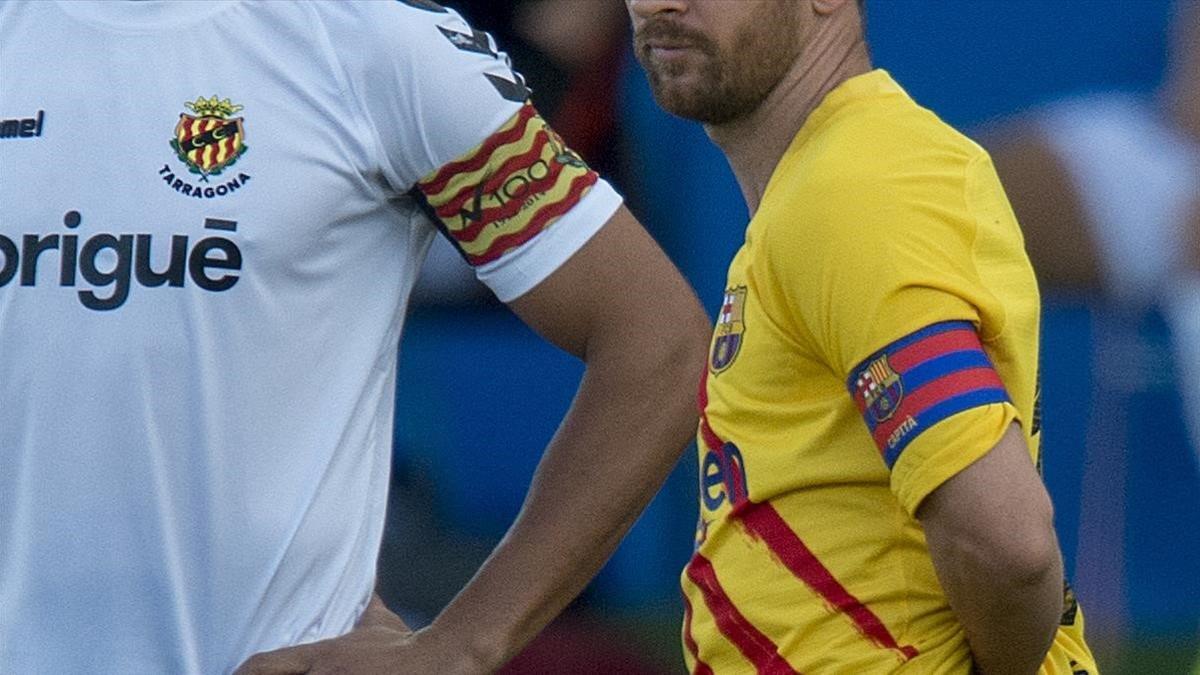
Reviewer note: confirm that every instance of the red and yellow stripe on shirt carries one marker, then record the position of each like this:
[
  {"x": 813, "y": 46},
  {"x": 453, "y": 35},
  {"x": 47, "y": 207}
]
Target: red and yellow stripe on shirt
[
  {"x": 507, "y": 189},
  {"x": 783, "y": 554}
]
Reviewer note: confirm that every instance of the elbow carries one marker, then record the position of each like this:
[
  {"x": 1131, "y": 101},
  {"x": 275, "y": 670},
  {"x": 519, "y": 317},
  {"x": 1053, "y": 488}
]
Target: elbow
[
  {"x": 686, "y": 356},
  {"x": 1010, "y": 603},
  {"x": 694, "y": 337},
  {"x": 1022, "y": 557},
  {"x": 1029, "y": 563},
  {"x": 681, "y": 363},
  {"x": 680, "y": 349},
  {"x": 1031, "y": 551}
]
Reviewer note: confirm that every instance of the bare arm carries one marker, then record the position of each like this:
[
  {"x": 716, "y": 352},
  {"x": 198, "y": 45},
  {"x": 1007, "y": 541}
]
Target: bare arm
[
  {"x": 991, "y": 534},
  {"x": 622, "y": 307}
]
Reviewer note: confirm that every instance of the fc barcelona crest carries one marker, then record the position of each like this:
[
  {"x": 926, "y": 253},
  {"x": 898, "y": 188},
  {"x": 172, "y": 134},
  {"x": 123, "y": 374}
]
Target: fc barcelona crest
[
  {"x": 881, "y": 389},
  {"x": 209, "y": 140},
  {"x": 731, "y": 325}
]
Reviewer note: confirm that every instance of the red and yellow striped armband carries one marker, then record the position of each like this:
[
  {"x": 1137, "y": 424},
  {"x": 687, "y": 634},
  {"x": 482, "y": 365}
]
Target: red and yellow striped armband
[
  {"x": 507, "y": 189},
  {"x": 912, "y": 384}
]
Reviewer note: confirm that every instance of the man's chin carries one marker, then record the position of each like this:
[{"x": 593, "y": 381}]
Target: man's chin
[
  {"x": 690, "y": 106},
  {"x": 680, "y": 107},
  {"x": 679, "y": 98}
]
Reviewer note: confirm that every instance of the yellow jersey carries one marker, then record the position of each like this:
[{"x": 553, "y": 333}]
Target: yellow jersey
[{"x": 879, "y": 334}]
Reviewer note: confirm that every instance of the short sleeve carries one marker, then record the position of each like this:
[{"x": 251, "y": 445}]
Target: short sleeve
[
  {"x": 882, "y": 284},
  {"x": 456, "y": 132}
]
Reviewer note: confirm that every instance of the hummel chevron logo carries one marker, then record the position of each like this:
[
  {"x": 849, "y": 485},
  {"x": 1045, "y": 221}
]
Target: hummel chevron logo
[{"x": 476, "y": 41}]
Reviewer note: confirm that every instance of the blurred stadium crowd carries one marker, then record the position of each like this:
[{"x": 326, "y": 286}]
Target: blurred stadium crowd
[{"x": 1091, "y": 109}]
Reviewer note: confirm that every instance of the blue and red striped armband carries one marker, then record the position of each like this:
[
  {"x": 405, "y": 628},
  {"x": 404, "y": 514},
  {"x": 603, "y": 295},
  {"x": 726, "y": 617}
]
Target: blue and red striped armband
[{"x": 912, "y": 384}]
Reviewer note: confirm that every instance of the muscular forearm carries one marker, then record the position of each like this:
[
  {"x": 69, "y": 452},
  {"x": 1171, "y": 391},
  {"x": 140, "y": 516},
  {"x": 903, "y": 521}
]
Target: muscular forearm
[
  {"x": 1010, "y": 616},
  {"x": 629, "y": 422},
  {"x": 990, "y": 531}
]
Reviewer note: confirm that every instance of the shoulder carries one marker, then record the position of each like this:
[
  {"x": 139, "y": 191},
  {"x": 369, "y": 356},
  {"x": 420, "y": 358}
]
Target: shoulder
[
  {"x": 415, "y": 43},
  {"x": 883, "y": 198},
  {"x": 404, "y": 27},
  {"x": 880, "y": 178},
  {"x": 417, "y": 37},
  {"x": 886, "y": 151}
]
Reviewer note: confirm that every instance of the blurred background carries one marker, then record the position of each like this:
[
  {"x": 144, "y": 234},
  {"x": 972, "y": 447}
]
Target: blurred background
[{"x": 1091, "y": 109}]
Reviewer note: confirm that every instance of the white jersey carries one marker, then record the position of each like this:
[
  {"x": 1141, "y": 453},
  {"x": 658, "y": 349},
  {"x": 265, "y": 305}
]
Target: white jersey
[
  {"x": 1137, "y": 177},
  {"x": 211, "y": 215}
]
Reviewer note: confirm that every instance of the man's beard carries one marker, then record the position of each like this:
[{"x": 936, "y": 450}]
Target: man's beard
[{"x": 723, "y": 87}]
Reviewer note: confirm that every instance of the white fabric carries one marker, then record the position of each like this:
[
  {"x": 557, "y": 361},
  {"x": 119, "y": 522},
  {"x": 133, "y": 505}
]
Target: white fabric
[
  {"x": 514, "y": 274},
  {"x": 1182, "y": 309},
  {"x": 192, "y": 476},
  {"x": 1136, "y": 177},
  {"x": 524, "y": 268}
]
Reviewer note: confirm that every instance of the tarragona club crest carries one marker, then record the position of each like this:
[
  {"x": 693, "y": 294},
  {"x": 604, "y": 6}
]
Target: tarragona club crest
[{"x": 209, "y": 140}]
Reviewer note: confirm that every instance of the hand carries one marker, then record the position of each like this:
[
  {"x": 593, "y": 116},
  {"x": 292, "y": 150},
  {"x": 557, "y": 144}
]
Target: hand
[{"x": 378, "y": 644}]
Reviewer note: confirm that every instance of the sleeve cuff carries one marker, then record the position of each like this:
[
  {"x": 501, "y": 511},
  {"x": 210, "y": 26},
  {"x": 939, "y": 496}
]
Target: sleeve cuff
[
  {"x": 518, "y": 271},
  {"x": 946, "y": 449}
]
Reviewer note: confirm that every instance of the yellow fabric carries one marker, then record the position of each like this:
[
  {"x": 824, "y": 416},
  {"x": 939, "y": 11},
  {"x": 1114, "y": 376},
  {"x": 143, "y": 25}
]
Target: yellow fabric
[{"x": 880, "y": 220}]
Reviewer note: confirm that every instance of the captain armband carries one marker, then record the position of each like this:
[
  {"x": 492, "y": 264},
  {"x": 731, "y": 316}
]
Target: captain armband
[
  {"x": 506, "y": 190},
  {"x": 912, "y": 384}
]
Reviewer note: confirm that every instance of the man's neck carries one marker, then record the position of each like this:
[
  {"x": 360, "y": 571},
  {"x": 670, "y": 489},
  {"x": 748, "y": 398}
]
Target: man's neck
[{"x": 754, "y": 144}]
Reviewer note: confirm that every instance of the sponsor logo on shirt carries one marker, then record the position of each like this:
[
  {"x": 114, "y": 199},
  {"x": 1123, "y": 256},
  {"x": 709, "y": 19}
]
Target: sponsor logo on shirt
[
  {"x": 467, "y": 39},
  {"x": 105, "y": 266},
  {"x": 1070, "y": 606},
  {"x": 208, "y": 140},
  {"x": 723, "y": 477},
  {"x": 28, "y": 127},
  {"x": 731, "y": 325}
]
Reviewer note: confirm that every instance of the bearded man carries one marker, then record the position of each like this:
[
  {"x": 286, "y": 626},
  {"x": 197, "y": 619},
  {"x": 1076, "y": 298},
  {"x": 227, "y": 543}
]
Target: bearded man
[{"x": 869, "y": 446}]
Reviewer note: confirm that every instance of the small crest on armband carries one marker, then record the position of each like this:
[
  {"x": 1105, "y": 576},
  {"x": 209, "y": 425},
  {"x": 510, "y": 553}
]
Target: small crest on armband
[{"x": 881, "y": 388}]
